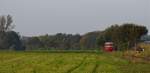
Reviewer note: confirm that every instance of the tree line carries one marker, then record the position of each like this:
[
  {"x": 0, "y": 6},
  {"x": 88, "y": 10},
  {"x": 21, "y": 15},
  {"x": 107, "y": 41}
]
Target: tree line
[
  {"x": 59, "y": 41},
  {"x": 123, "y": 36}
]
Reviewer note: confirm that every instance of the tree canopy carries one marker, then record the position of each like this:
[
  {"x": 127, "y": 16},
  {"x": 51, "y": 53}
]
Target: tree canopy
[
  {"x": 123, "y": 36},
  {"x": 9, "y": 39}
]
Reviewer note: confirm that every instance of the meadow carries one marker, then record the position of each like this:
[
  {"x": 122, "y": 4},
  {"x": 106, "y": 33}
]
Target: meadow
[{"x": 68, "y": 62}]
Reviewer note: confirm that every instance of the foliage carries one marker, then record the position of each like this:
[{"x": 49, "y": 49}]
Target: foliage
[
  {"x": 59, "y": 41},
  {"x": 6, "y": 23},
  {"x": 33, "y": 43},
  {"x": 100, "y": 40},
  {"x": 13, "y": 39},
  {"x": 88, "y": 40},
  {"x": 8, "y": 38},
  {"x": 125, "y": 35}
]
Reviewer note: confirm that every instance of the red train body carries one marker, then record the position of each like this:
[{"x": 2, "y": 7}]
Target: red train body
[{"x": 108, "y": 46}]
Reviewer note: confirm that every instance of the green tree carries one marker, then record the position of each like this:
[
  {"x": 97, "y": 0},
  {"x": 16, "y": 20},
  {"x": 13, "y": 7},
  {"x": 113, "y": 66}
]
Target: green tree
[
  {"x": 33, "y": 43},
  {"x": 8, "y": 38},
  {"x": 89, "y": 40},
  {"x": 126, "y": 35},
  {"x": 13, "y": 40}
]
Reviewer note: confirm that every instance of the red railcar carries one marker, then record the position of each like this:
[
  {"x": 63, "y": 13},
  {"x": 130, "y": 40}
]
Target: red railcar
[{"x": 108, "y": 46}]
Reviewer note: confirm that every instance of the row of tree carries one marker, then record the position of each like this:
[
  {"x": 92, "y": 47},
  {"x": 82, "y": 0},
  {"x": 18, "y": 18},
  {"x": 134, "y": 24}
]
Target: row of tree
[
  {"x": 123, "y": 36},
  {"x": 53, "y": 42}
]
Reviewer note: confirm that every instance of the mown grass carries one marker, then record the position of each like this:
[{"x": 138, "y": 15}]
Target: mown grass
[{"x": 68, "y": 62}]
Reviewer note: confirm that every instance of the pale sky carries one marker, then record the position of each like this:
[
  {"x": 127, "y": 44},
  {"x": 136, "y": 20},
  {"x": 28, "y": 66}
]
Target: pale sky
[{"x": 37, "y": 17}]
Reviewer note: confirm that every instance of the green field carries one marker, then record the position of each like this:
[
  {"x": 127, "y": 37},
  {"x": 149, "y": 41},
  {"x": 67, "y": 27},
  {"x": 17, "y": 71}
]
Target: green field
[{"x": 67, "y": 62}]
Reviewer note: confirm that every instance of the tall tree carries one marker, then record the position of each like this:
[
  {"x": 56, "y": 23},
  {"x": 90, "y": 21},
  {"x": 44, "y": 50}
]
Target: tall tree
[
  {"x": 6, "y": 23},
  {"x": 125, "y": 35},
  {"x": 8, "y": 38}
]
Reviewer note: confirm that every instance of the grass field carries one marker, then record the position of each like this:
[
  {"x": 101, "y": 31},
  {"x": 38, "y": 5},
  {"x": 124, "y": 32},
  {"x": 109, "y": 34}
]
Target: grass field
[{"x": 68, "y": 62}]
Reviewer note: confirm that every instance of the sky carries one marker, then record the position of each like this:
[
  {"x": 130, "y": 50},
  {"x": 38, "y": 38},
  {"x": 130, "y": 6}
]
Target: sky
[{"x": 39, "y": 17}]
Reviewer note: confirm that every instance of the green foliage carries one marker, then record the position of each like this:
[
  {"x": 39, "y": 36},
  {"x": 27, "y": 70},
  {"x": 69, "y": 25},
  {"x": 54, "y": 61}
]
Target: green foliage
[
  {"x": 89, "y": 40},
  {"x": 13, "y": 39},
  {"x": 100, "y": 40},
  {"x": 124, "y": 36},
  {"x": 32, "y": 43},
  {"x": 9, "y": 40},
  {"x": 54, "y": 42}
]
